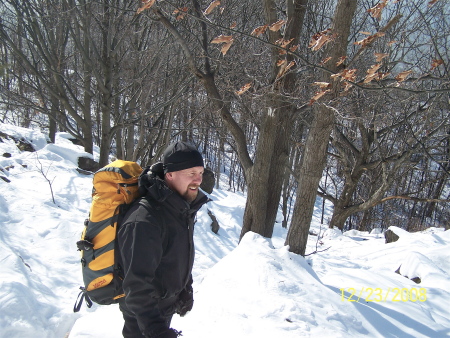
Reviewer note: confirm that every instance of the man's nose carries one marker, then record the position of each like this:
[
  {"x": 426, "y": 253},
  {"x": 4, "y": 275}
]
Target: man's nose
[{"x": 198, "y": 178}]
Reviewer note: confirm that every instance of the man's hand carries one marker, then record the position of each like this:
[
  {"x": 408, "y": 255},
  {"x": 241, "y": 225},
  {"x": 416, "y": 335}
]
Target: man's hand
[{"x": 185, "y": 302}]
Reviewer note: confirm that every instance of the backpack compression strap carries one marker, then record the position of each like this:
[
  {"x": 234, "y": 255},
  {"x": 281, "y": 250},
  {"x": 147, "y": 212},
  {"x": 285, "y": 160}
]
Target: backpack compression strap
[{"x": 82, "y": 295}]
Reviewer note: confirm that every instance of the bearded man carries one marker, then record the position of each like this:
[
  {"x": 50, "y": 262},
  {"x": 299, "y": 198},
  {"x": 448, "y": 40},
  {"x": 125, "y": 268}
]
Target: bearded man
[{"x": 157, "y": 246}]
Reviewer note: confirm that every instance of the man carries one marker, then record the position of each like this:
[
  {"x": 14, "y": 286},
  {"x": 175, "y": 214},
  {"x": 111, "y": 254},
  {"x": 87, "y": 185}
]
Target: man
[{"x": 156, "y": 244}]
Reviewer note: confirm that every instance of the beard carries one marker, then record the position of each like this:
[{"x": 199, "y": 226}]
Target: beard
[{"x": 190, "y": 195}]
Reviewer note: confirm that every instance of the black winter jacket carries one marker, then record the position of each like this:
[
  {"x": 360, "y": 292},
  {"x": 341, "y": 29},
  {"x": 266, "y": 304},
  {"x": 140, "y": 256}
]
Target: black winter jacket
[{"x": 157, "y": 251}]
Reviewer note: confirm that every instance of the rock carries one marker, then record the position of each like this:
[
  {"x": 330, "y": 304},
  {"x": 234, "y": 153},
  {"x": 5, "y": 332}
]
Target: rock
[
  {"x": 3, "y": 135},
  {"x": 214, "y": 224},
  {"x": 85, "y": 172},
  {"x": 24, "y": 145},
  {"x": 75, "y": 141},
  {"x": 390, "y": 236},
  {"x": 5, "y": 179},
  {"x": 416, "y": 280},
  {"x": 209, "y": 181},
  {"x": 21, "y": 143},
  {"x": 87, "y": 164}
]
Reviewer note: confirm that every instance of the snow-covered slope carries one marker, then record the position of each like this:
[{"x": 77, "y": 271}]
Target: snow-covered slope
[{"x": 254, "y": 289}]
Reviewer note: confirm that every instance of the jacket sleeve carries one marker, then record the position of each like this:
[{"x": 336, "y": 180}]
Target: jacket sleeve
[
  {"x": 141, "y": 247},
  {"x": 189, "y": 284}
]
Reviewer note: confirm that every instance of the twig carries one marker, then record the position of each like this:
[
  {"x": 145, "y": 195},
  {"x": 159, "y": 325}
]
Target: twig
[
  {"x": 318, "y": 238},
  {"x": 41, "y": 170},
  {"x": 26, "y": 264},
  {"x": 317, "y": 251}
]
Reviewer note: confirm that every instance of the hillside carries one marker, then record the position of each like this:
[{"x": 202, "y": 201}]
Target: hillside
[{"x": 254, "y": 289}]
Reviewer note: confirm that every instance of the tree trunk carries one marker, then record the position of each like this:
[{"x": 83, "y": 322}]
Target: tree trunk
[
  {"x": 54, "y": 112},
  {"x": 264, "y": 177},
  {"x": 120, "y": 154},
  {"x": 265, "y": 184},
  {"x": 272, "y": 153},
  {"x": 314, "y": 157},
  {"x": 339, "y": 217},
  {"x": 312, "y": 164},
  {"x": 106, "y": 89}
]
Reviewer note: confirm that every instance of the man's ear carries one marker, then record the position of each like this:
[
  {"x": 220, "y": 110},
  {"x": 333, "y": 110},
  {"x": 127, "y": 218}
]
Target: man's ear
[{"x": 169, "y": 176}]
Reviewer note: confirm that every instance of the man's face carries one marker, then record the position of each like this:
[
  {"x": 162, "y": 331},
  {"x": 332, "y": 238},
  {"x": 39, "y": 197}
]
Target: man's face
[{"x": 186, "y": 182}]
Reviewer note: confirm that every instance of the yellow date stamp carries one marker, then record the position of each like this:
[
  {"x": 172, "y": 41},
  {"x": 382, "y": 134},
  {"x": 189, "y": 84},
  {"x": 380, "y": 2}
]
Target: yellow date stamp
[{"x": 383, "y": 295}]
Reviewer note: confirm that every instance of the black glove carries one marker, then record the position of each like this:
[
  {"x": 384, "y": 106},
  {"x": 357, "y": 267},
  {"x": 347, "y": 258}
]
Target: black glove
[
  {"x": 148, "y": 175},
  {"x": 185, "y": 302},
  {"x": 157, "y": 170},
  {"x": 168, "y": 333}
]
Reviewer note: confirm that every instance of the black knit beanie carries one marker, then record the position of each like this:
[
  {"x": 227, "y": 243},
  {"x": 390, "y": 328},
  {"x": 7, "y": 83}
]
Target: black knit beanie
[{"x": 180, "y": 156}]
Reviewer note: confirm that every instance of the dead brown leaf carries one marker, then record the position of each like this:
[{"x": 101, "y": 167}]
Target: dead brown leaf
[
  {"x": 369, "y": 39},
  {"x": 372, "y": 73},
  {"x": 403, "y": 75},
  {"x": 378, "y": 76},
  {"x": 349, "y": 74},
  {"x": 244, "y": 88},
  {"x": 222, "y": 39},
  {"x": 180, "y": 13},
  {"x": 374, "y": 68},
  {"x": 324, "y": 61},
  {"x": 346, "y": 74},
  {"x": 381, "y": 76},
  {"x": 275, "y": 27},
  {"x": 284, "y": 68},
  {"x": 377, "y": 10},
  {"x": 322, "y": 85},
  {"x": 227, "y": 40},
  {"x": 347, "y": 86},
  {"x": 211, "y": 7},
  {"x": 290, "y": 65},
  {"x": 180, "y": 16},
  {"x": 233, "y": 25},
  {"x": 380, "y": 56},
  {"x": 318, "y": 40},
  {"x": 321, "y": 41},
  {"x": 369, "y": 78},
  {"x": 146, "y": 4},
  {"x": 226, "y": 47},
  {"x": 283, "y": 43},
  {"x": 318, "y": 95},
  {"x": 341, "y": 60},
  {"x": 259, "y": 30},
  {"x": 436, "y": 63}
]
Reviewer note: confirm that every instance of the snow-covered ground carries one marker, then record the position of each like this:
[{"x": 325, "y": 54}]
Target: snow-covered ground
[{"x": 254, "y": 289}]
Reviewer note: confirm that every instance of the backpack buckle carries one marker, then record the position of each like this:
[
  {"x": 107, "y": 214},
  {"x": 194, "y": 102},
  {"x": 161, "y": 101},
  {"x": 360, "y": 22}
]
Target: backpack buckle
[{"x": 84, "y": 245}]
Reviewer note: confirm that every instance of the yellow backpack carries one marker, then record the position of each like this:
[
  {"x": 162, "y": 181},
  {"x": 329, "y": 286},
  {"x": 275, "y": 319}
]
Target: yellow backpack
[{"x": 115, "y": 188}]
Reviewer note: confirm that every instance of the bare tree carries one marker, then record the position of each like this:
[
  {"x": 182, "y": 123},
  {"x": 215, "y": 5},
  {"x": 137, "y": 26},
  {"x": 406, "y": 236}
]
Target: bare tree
[
  {"x": 372, "y": 151},
  {"x": 314, "y": 155},
  {"x": 271, "y": 151},
  {"x": 84, "y": 73}
]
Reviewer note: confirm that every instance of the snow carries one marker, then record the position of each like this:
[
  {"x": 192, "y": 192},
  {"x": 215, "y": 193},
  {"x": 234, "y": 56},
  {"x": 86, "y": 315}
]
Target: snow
[{"x": 257, "y": 288}]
